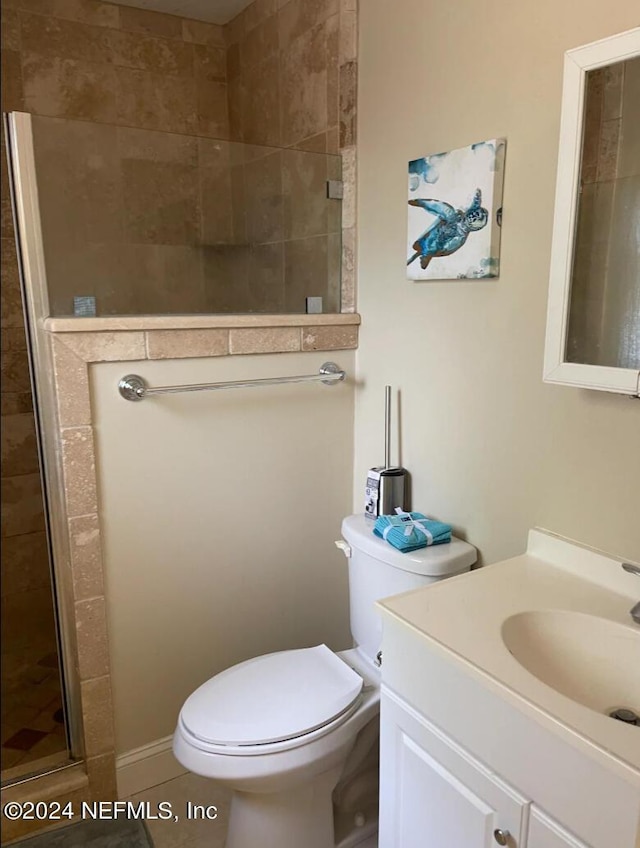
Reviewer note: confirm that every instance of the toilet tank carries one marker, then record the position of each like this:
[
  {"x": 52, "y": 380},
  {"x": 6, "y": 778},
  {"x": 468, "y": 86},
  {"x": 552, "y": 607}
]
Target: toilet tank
[{"x": 377, "y": 570}]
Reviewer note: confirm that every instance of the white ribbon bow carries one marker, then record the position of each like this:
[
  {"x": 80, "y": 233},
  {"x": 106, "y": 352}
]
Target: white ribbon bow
[{"x": 409, "y": 525}]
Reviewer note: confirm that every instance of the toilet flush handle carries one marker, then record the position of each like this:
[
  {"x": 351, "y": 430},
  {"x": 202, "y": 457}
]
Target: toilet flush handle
[{"x": 344, "y": 547}]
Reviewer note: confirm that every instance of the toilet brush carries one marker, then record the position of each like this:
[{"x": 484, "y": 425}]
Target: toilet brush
[{"x": 387, "y": 485}]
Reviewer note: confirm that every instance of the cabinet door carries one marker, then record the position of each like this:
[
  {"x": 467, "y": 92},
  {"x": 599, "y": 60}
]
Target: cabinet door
[
  {"x": 433, "y": 794},
  {"x": 544, "y": 832}
]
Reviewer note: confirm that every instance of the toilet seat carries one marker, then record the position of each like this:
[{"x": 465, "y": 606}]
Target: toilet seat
[
  {"x": 270, "y": 700},
  {"x": 306, "y": 739}
]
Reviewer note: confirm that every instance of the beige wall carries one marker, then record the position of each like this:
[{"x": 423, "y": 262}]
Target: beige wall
[
  {"x": 491, "y": 448},
  {"x": 218, "y": 514}
]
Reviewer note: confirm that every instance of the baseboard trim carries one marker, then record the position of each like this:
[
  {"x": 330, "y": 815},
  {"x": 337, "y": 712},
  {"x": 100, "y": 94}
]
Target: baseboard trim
[{"x": 147, "y": 766}]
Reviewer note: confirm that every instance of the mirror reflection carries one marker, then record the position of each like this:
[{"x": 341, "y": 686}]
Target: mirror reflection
[{"x": 604, "y": 317}]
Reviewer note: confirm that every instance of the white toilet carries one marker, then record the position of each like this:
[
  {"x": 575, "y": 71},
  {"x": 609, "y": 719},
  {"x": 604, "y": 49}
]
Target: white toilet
[{"x": 294, "y": 734}]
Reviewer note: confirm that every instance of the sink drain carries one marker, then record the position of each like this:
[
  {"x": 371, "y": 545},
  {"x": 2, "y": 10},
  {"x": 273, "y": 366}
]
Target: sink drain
[{"x": 626, "y": 715}]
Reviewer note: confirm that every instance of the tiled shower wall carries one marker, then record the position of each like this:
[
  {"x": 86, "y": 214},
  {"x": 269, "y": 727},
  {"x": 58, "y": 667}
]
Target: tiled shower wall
[
  {"x": 285, "y": 241},
  {"x": 259, "y": 234},
  {"x": 291, "y": 78},
  {"x": 99, "y": 62},
  {"x": 28, "y": 629},
  {"x": 158, "y": 223},
  {"x": 291, "y": 74},
  {"x": 115, "y": 64},
  {"x": 27, "y": 607}
]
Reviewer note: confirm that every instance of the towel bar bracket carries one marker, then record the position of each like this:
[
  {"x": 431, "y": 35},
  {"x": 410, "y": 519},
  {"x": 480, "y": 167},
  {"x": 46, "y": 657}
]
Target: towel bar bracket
[
  {"x": 135, "y": 388},
  {"x": 132, "y": 387},
  {"x": 332, "y": 372}
]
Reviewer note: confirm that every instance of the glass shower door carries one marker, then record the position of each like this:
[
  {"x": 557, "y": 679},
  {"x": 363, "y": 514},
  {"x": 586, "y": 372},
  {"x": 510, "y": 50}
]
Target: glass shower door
[
  {"x": 142, "y": 222},
  {"x": 34, "y": 736}
]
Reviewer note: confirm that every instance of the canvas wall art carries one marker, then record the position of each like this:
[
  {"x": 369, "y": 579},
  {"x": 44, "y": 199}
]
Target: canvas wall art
[{"x": 455, "y": 213}]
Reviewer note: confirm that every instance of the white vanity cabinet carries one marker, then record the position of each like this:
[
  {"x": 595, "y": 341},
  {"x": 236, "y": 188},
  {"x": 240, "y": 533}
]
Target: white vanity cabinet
[
  {"x": 543, "y": 832},
  {"x": 479, "y": 751},
  {"x": 434, "y": 793}
]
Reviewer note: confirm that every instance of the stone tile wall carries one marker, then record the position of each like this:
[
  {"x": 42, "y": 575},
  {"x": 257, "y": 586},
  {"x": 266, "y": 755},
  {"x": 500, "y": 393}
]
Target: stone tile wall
[
  {"x": 128, "y": 215},
  {"x": 280, "y": 74},
  {"x": 155, "y": 223},
  {"x": 291, "y": 83},
  {"x": 27, "y": 607},
  {"x": 291, "y": 71},
  {"x": 101, "y": 62},
  {"x": 136, "y": 71},
  {"x": 286, "y": 234}
]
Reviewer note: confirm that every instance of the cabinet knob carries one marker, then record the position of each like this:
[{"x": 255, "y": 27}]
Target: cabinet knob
[{"x": 501, "y": 836}]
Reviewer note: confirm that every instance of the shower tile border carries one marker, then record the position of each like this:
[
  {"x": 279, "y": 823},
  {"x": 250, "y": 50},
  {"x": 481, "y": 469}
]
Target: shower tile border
[
  {"x": 190, "y": 322},
  {"x": 75, "y": 345}
]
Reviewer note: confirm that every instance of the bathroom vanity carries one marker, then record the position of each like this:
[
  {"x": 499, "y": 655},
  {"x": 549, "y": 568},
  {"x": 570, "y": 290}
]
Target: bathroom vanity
[{"x": 497, "y": 689}]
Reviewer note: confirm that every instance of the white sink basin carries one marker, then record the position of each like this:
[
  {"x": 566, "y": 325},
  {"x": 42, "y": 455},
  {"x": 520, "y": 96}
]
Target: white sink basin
[
  {"x": 550, "y": 633},
  {"x": 593, "y": 661}
]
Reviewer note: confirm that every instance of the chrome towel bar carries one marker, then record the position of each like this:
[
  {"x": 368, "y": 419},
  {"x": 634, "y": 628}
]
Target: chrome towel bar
[{"x": 133, "y": 387}]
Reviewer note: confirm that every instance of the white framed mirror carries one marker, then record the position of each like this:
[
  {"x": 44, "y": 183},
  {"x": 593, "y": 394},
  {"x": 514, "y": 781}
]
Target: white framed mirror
[{"x": 593, "y": 318}]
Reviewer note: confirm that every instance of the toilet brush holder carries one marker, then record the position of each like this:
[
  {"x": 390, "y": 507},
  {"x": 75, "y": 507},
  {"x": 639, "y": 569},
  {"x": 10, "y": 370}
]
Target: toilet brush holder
[{"x": 387, "y": 486}]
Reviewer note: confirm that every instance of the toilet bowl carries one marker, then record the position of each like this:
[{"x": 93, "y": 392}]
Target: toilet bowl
[
  {"x": 294, "y": 734},
  {"x": 283, "y": 787}
]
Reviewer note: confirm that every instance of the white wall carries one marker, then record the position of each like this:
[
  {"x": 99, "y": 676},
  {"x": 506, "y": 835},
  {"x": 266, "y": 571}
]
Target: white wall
[
  {"x": 491, "y": 448},
  {"x": 219, "y": 512}
]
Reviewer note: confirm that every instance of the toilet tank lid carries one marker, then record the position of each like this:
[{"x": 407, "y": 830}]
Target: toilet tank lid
[
  {"x": 434, "y": 561},
  {"x": 272, "y": 698}
]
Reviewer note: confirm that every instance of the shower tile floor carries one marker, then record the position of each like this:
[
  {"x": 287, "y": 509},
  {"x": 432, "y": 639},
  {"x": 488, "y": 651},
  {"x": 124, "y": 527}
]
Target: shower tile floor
[{"x": 32, "y": 726}]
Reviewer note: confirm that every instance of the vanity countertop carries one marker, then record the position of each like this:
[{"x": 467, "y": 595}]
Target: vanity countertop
[{"x": 556, "y": 584}]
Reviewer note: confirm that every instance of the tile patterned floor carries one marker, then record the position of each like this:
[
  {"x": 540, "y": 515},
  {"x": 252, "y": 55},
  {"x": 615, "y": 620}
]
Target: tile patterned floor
[
  {"x": 194, "y": 833},
  {"x": 31, "y": 704},
  {"x": 186, "y": 833}
]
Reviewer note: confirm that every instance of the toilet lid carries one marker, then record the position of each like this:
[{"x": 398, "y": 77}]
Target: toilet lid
[{"x": 272, "y": 698}]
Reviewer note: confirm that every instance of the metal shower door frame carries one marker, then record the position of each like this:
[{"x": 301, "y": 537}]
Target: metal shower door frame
[{"x": 33, "y": 282}]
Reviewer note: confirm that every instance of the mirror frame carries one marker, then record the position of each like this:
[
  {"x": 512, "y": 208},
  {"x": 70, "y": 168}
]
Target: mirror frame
[{"x": 577, "y": 63}]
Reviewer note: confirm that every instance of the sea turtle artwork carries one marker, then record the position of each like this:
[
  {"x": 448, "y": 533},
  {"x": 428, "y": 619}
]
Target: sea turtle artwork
[
  {"x": 455, "y": 213},
  {"x": 450, "y": 230}
]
